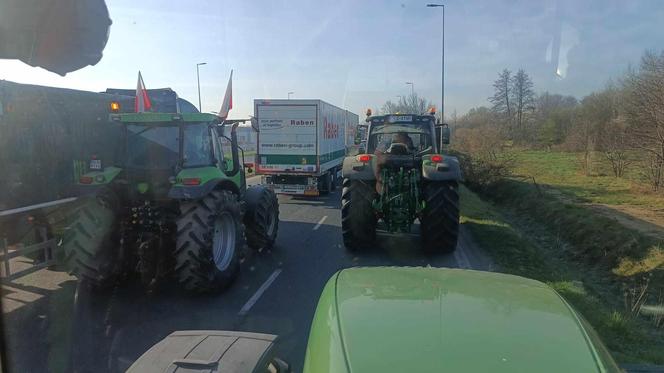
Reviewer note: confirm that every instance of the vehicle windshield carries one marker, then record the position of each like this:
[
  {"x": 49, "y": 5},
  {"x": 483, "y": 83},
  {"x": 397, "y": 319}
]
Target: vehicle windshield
[
  {"x": 416, "y": 137},
  {"x": 197, "y": 147},
  {"x": 152, "y": 146},
  {"x": 188, "y": 166}
]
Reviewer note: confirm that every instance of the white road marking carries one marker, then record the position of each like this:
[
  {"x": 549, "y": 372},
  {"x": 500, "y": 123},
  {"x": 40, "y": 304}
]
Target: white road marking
[
  {"x": 320, "y": 222},
  {"x": 254, "y": 298}
]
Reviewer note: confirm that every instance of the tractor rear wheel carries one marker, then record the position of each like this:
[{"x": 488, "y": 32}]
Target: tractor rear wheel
[
  {"x": 210, "y": 238},
  {"x": 358, "y": 221},
  {"x": 91, "y": 244},
  {"x": 440, "y": 217},
  {"x": 261, "y": 220}
]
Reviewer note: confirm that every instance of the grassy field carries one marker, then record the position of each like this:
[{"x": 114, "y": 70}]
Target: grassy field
[
  {"x": 523, "y": 247},
  {"x": 597, "y": 239},
  {"x": 563, "y": 171}
]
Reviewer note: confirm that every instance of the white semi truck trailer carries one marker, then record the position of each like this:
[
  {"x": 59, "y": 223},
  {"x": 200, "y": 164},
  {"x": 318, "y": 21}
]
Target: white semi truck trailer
[{"x": 301, "y": 144}]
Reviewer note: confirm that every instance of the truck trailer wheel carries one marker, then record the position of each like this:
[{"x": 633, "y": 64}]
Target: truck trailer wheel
[
  {"x": 209, "y": 241},
  {"x": 440, "y": 217},
  {"x": 358, "y": 221},
  {"x": 335, "y": 181},
  {"x": 261, "y": 220},
  {"x": 91, "y": 245},
  {"x": 325, "y": 183}
]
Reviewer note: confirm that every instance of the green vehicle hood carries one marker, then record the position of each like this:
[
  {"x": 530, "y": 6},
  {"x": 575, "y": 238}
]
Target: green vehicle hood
[{"x": 447, "y": 320}]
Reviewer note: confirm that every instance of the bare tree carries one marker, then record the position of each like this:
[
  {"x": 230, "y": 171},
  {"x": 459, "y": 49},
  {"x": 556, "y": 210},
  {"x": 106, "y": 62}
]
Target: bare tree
[
  {"x": 501, "y": 97},
  {"x": 595, "y": 112},
  {"x": 411, "y": 104},
  {"x": 523, "y": 97},
  {"x": 644, "y": 110},
  {"x": 614, "y": 144}
]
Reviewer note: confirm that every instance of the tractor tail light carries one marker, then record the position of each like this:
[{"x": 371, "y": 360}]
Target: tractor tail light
[
  {"x": 192, "y": 181},
  {"x": 436, "y": 158},
  {"x": 85, "y": 180},
  {"x": 364, "y": 158}
]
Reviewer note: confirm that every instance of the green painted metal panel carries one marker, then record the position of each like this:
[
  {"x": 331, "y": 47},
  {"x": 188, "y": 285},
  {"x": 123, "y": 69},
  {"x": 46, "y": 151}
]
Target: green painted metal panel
[{"x": 447, "y": 320}]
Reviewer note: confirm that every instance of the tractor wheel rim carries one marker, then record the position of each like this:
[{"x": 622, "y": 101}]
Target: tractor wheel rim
[{"x": 224, "y": 241}]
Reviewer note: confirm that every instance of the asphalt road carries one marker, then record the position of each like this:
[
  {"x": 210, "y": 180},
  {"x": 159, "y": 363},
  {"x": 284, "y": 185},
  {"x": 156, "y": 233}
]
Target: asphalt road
[{"x": 276, "y": 293}]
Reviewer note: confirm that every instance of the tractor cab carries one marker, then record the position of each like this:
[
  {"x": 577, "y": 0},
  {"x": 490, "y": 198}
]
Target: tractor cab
[
  {"x": 166, "y": 156},
  {"x": 398, "y": 134}
]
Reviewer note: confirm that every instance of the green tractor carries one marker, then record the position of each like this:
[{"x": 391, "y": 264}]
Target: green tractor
[
  {"x": 401, "y": 177},
  {"x": 176, "y": 204}
]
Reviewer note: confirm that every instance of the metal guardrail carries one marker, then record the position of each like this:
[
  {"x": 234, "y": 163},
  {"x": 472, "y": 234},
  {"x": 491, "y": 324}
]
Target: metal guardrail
[{"x": 48, "y": 248}]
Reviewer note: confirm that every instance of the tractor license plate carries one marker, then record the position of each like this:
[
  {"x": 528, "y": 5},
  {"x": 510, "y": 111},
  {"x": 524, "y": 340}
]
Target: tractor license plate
[{"x": 95, "y": 164}]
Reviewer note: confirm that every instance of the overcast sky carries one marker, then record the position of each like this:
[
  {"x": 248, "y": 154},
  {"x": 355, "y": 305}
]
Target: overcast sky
[{"x": 358, "y": 54}]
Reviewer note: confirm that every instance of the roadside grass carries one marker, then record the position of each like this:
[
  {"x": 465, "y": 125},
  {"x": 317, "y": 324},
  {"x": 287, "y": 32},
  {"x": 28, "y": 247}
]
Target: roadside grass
[
  {"x": 522, "y": 246},
  {"x": 563, "y": 172}
]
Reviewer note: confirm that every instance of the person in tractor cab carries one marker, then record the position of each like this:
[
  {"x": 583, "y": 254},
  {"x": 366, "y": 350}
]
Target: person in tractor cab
[
  {"x": 397, "y": 138},
  {"x": 385, "y": 147}
]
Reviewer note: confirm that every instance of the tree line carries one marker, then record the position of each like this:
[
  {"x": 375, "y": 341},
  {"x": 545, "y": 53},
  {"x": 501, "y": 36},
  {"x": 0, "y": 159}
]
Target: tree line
[{"x": 623, "y": 122}]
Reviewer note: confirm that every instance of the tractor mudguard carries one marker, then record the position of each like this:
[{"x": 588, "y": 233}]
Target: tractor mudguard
[
  {"x": 356, "y": 170},
  {"x": 447, "y": 170},
  {"x": 199, "y": 191},
  {"x": 95, "y": 181},
  {"x": 192, "y": 191}
]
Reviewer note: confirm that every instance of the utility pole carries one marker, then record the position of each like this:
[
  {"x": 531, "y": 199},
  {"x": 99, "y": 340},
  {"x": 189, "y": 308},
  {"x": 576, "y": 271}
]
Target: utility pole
[
  {"x": 198, "y": 78},
  {"x": 442, "y": 74}
]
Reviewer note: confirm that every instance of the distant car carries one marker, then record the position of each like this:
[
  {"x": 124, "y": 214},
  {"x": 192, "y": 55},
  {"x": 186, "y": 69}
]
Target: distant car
[{"x": 389, "y": 319}]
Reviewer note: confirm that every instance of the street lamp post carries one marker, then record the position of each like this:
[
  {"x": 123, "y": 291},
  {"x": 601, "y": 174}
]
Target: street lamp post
[
  {"x": 290, "y": 93},
  {"x": 198, "y": 78},
  {"x": 442, "y": 73},
  {"x": 412, "y": 88}
]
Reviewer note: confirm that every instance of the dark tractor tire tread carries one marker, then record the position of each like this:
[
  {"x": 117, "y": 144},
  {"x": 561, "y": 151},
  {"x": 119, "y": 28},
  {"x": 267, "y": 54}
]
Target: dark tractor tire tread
[
  {"x": 358, "y": 220},
  {"x": 440, "y": 217},
  {"x": 194, "y": 259},
  {"x": 91, "y": 245},
  {"x": 262, "y": 205}
]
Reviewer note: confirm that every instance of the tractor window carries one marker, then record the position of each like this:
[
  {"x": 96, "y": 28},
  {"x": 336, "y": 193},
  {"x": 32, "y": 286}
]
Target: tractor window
[
  {"x": 197, "y": 147},
  {"x": 152, "y": 146},
  {"x": 417, "y": 141}
]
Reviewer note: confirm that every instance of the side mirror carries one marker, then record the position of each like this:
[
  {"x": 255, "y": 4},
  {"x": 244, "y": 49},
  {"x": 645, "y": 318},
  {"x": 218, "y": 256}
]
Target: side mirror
[
  {"x": 443, "y": 132},
  {"x": 446, "y": 134}
]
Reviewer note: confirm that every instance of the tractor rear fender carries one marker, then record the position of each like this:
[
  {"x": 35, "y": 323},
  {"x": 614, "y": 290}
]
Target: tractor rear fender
[
  {"x": 89, "y": 183},
  {"x": 355, "y": 170},
  {"x": 447, "y": 170},
  {"x": 199, "y": 191}
]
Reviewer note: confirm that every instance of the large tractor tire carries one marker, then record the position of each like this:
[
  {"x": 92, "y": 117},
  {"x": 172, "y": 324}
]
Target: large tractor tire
[
  {"x": 358, "y": 221},
  {"x": 209, "y": 241},
  {"x": 440, "y": 217},
  {"x": 91, "y": 245},
  {"x": 261, "y": 219}
]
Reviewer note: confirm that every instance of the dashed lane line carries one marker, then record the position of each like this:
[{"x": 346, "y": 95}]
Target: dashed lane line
[
  {"x": 254, "y": 298},
  {"x": 320, "y": 222}
]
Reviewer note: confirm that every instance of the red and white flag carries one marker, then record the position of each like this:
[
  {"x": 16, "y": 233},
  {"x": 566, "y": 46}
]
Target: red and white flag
[
  {"x": 227, "y": 105},
  {"x": 142, "y": 102}
]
